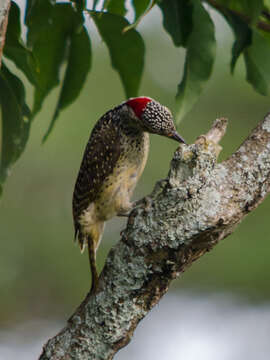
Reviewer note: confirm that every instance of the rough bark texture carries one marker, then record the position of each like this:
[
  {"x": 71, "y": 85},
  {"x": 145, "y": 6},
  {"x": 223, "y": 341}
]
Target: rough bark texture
[
  {"x": 4, "y": 9},
  {"x": 197, "y": 205}
]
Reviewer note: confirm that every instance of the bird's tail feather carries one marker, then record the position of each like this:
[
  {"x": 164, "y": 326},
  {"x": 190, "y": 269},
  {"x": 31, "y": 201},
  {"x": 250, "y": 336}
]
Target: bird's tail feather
[
  {"x": 96, "y": 233},
  {"x": 93, "y": 240}
]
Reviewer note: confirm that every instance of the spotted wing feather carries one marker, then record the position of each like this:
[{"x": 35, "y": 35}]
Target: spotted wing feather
[{"x": 100, "y": 156}]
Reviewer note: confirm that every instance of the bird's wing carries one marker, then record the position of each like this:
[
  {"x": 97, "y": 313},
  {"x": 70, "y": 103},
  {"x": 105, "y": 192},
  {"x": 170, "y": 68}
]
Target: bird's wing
[{"x": 100, "y": 156}]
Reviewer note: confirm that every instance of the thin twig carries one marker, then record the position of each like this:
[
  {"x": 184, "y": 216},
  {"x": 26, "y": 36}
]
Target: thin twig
[{"x": 265, "y": 26}]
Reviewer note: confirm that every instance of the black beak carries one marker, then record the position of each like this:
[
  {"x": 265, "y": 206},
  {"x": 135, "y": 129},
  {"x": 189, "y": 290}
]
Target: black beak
[{"x": 174, "y": 135}]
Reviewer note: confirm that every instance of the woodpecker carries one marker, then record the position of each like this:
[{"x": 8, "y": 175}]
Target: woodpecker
[{"x": 113, "y": 161}]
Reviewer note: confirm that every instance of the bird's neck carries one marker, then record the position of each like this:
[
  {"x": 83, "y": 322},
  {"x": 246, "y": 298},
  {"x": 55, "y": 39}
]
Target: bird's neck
[{"x": 130, "y": 129}]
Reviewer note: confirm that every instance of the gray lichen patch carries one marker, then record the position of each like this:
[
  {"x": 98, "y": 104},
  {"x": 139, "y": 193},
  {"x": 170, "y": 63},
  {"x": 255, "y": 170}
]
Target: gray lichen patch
[
  {"x": 266, "y": 123},
  {"x": 190, "y": 160},
  {"x": 187, "y": 203},
  {"x": 211, "y": 199}
]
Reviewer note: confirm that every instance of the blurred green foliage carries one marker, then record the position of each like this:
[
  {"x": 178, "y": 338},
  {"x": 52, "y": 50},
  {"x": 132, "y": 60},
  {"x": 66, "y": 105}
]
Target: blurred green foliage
[{"x": 42, "y": 272}]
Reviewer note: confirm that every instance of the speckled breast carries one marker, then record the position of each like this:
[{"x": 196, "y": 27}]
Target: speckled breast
[{"x": 118, "y": 187}]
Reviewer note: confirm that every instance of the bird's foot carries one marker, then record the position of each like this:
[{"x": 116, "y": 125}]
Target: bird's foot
[
  {"x": 146, "y": 202},
  {"x": 125, "y": 211}
]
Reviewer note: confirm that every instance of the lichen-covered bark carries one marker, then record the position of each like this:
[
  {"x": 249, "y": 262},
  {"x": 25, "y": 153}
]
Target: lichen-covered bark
[
  {"x": 4, "y": 8},
  {"x": 198, "y": 204}
]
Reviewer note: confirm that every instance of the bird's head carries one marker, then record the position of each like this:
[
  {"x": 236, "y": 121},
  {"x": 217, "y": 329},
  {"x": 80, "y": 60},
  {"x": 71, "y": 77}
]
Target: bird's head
[{"x": 153, "y": 117}]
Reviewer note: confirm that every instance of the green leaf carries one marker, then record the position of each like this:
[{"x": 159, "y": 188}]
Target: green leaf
[
  {"x": 126, "y": 49},
  {"x": 29, "y": 6},
  {"x": 49, "y": 49},
  {"x": 201, "y": 46},
  {"x": 177, "y": 19},
  {"x": 79, "y": 63},
  {"x": 140, "y": 7},
  {"x": 115, "y": 7},
  {"x": 15, "y": 120},
  {"x": 250, "y": 8},
  {"x": 38, "y": 17},
  {"x": 243, "y": 34},
  {"x": 257, "y": 60},
  {"x": 14, "y": 48}
]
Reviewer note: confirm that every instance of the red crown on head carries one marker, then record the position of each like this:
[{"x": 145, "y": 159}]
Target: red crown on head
[{"x": 138, "y": 104}]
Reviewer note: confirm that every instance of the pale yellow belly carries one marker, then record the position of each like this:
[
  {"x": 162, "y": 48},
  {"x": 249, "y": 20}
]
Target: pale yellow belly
[
  {"x": 116, "y": 194},
  {"x": 118, "y": 189}
]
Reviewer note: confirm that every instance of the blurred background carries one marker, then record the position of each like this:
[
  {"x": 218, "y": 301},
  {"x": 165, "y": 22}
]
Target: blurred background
[{"x": 219, "y": 308}]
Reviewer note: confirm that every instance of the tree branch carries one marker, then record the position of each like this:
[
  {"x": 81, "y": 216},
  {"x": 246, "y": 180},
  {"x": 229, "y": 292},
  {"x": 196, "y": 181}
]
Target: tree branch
[
  {"x": 198, "y": 204},
  {"x": 4, "y": 9},
  {"x": 262, "y": 25}
]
